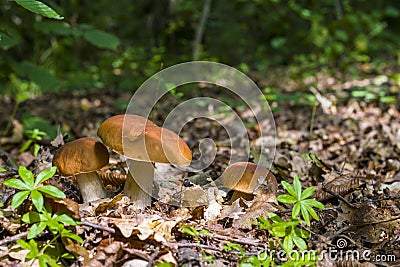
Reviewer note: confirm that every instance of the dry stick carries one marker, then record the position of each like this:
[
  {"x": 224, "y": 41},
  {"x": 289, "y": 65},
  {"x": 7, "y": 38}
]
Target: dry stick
[
  {"x": 13, "y": 238},
  {"x": 208, "y": 247},
  {"x": 230, "y": 239},
  {"x": 100, "y": 227},
  {"x": 153, "y": 256}
]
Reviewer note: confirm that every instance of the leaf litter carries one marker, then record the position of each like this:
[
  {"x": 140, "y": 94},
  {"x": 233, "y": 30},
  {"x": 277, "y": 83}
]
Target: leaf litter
[{"x": 351, "y": 158}]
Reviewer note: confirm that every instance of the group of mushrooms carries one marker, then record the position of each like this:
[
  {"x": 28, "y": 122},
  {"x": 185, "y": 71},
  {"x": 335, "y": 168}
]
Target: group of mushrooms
[{"x": 142, "y": 143}]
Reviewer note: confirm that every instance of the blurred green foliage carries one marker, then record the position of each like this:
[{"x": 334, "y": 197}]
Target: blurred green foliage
[{"x": 117, "y": 45}]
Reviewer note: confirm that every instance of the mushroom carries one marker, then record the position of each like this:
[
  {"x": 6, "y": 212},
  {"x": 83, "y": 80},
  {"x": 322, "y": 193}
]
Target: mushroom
[
  {"x": 81, "y": 158},
  {"x": 142, "y": 142},
  {"x": 243, "y": 178}
]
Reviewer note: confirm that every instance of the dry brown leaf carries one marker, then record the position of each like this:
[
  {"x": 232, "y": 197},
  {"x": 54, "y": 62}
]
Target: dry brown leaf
[
  {"x": 341, "y": 185},
  {"x": 114, "y": 255},
  {"x": 65, "y": 205},
  {"x": 112, "y": 204},
  {"x": 263, "y": 203}
]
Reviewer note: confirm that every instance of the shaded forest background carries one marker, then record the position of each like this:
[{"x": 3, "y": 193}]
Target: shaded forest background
[{"x": 116, "y": 46}]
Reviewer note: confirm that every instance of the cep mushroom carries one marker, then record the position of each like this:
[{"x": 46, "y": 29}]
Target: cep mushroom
[
  {"x": 81, "y": 158},
  {"x": 243, "y": 177},
  {"x": 142, "y": 142}
]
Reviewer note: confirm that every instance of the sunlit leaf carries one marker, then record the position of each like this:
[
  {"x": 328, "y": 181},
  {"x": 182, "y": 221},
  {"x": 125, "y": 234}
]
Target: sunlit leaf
[
  {"x": 52, "y": 191},
  {"x": 37, "y": 200},
  {"x": 39, "y": 8},
  {"x": 44, "y": 175},
  {"x": 19, "y": 198},
  {"x": 16, "y": 183},
  {"x": 36, "y": 229},
  {"x": 27, "y": 176}
]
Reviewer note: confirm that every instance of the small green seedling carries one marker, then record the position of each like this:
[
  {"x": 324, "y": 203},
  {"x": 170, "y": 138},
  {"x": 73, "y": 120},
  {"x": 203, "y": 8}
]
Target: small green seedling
[
  {"x": 33, "y": 188},
  {"x": 33, "y": 136},
  {"x": 190, "y": 230},
  {"x": 301, "y": 200}
]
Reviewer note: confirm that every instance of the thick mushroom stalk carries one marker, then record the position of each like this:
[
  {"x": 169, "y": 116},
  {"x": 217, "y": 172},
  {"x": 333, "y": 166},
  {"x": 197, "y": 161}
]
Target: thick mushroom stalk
[
  {"x": 91, "y": 186},
  {"x": 139, "y": 188}
]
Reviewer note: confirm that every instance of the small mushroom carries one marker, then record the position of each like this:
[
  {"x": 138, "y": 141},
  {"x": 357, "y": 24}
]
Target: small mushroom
[
  {"x": 243, "y": 177},
  {"x": 81, "y": 158},
  {"x": 143, "y": 143}
]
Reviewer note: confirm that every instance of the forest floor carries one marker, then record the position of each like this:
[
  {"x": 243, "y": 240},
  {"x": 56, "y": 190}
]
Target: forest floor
[{"x": 349, "y": 145}]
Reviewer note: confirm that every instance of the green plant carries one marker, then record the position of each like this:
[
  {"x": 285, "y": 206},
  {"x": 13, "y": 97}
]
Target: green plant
[
  {"x": 286, "y": 235},
  {"x": 33, "y": 136},
  {"x": 190, "y": 230},
  {"x": 33, "y": 188},
  {"x": 300, "y": 199},
  {"x": 47, "y": 253}
]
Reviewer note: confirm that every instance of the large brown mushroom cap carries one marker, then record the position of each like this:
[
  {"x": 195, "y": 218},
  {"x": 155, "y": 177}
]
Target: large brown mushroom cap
[
  {"x": 144, "y": 140},
  {"x": 81, "y": 156},
  {"x": 243, "y": 176}
]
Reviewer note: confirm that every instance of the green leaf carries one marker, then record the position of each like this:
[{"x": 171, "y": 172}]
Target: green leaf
[
  {"x": 41, "y": 77},
  {"x": 288, "y": 243},
  {"x": 2, "y": 169},
  {"x": 16, "y": 183},
  {"x": 34, "y": 251},
  {"x": 55, "y": 27},
  {"x": 39, "y": 8},
  {"x": 9, "y": 37},
  {"x": 67, "y": 233},
  {"x": 31, "y": 217},
  {"x": 314, "y": 203},
  {"x": 35, "y": 151},
  {"x": 307, "y": 193},
  {"x": 296, "y": 210},
  {"x": 25, "y": 146},
  {"x": 36, "y": 229},
  {"x": 297, "y": 186},
  {"x": 189, "y": 231},
  {"x": 102, "y": 39},
  {"x": 37, "y": 200},
  {"x": 27, "y": 176},
  {"x": 44, "y": 175},
  {"x": 19, "y": 198},
  {"x": 300, "y": 243},
  {"x": 23, "y": 244},
  {"x": 289, "y": 188},
  {"x": 312, "y": 212},
  {"x": 52, "y": 191},
  {"x": 286, "y": 199},
  {"x": 64, "y": 218},
  {"x": 305, "y": 214}
]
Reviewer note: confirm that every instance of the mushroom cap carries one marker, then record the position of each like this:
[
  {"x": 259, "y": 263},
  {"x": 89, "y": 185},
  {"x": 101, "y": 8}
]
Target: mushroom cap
[
  {"x": 243, "y": 177},
  {"x": 81, "y": 156},
  {"x": 143, "y": 140}
]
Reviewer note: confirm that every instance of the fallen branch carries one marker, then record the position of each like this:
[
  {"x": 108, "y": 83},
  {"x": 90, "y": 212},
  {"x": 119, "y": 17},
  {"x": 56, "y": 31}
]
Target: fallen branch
[{"x": 13, "y": 238}]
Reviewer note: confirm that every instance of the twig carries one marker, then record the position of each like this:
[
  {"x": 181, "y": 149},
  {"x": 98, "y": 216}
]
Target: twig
[
  {"x": 208, "y": 247},
  {"x": 230, "y": 239},
  {"x": 100, "y": 227},
  {"x": 153, "y": 256},
  {"x": 13, "y": 238}
]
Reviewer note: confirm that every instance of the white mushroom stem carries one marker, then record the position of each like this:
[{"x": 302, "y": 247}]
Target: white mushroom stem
[
  {"x": 91, "y": 186},
  {"x": 139, "y": 189}
]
